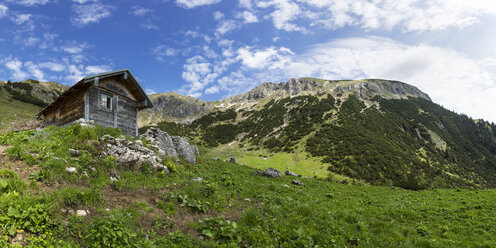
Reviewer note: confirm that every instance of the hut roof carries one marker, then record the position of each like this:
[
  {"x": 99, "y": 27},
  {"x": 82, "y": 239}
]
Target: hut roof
[{"x": 90, "y": 80}]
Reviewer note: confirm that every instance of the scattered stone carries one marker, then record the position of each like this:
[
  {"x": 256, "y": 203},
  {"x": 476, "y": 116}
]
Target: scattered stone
[
  {"x": 74, "y": 152},
  {"x": 113, "y": 179},
  {"x": 257, "y": 172},
  {"x": 71, "y": 212},
  {"x": 85, "y": 174},
  {"x": 271, "y": 172},
  {"x": 285, "y": 185},
  {"x": 92, "y": 169},
  {"x": 63, "y": 210},
  {"x": 19, "y": 238},
  {"x": 232, "y": 160},
  {"x": 197, "y": 179},
  {"x": 82, "y": 213},
  {"x": 290, "y": 173},
  {"x": 297, "y": 182},
  {"x": 248, "y": 199},
  {"x": 71, "y": 170}
]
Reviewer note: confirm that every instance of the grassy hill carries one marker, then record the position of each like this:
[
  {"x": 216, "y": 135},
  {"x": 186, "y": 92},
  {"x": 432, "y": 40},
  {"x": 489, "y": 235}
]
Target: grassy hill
[
  {"x": 21, "y": 101},
  {"x": 231, "y": 207}
]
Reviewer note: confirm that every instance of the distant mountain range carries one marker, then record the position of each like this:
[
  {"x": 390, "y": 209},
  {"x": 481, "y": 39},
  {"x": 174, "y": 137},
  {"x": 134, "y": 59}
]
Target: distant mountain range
[{"x": 375, "y": 131}]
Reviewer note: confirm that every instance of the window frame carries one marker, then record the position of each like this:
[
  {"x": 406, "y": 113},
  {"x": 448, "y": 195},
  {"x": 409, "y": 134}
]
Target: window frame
[{"x": 108, "y": 106}]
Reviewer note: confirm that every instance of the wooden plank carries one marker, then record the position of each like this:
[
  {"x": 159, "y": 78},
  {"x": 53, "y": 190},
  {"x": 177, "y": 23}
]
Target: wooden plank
[
  {"x": 86, "y": 106},
  {"x": 115, "y": 105}
]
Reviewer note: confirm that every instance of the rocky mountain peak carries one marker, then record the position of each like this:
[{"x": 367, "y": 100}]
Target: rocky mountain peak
[{"x": 364, "y": 89}]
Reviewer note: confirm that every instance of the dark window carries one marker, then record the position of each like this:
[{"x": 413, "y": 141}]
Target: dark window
[{"x": 106, "y": 101}]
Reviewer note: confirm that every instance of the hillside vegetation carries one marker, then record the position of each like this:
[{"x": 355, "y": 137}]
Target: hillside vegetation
[
  {"x": 21, "y": 101},
  {"x": 379, "y": 132},
  {"x": 230, "y": 207}
]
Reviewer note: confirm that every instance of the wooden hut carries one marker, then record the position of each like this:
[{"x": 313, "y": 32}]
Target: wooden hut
[{"x": 110, "y": 99}]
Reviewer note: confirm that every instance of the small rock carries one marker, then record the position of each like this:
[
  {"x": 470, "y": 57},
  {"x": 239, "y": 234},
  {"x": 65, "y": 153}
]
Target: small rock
[
  {"x": 74, "y": 152},
  {"x": 92, "y": 169},
  {"x": 85, "y": 174},
  {"x": 197, "y": 179},
  {"x": 232, "y": 160},
  {"x": 113, "y": 179},
  {"x": 71, "y": 170},
  {"x": 257, "y": 172},
  {"x": 285, "y": 185},
  {"x": 81, "y": 213},
  {"x": 297, "y": 182},
  {"x": 63, "y": 210},
  {"x": 271, "y": 172},
  {"x": 71, "y": 212},
  {"x": 290, "y": 173},
  {"x": 248, "y": 199}
]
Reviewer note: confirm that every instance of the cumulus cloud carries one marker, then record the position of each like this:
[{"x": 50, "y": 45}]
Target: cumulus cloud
[
  {"x": 188, "y": 4},
  {"x": 90, "y": 13},
  {"x": 407, "y": 15},
  {"x": 20, "y": 19},
  {"x": 198, "y": 73},
  {"x": 15, "y": 66}
]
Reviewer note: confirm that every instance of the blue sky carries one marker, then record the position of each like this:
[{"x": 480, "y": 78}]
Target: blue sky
[{"x": 215, "y": 48}]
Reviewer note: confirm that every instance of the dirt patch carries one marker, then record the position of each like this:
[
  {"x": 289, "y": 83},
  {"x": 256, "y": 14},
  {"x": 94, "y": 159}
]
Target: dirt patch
[{"x": 2, "y": 149}]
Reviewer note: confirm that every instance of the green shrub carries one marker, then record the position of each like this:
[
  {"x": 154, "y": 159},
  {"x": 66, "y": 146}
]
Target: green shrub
[
  {"x": 220, "y": 229},
  {"x": 14, "y": 153},
  {"x": 10, "y": 182},
  {"x": 112, "y": 230}
]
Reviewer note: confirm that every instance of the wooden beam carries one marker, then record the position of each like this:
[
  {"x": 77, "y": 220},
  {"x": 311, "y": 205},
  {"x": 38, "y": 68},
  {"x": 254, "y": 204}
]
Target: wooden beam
[
  {"x": 96, "y": 81},
  {"x": 137, "y": 111},
  {"x": 114, "y": 109},
  {"x": 87, "y": 106}
]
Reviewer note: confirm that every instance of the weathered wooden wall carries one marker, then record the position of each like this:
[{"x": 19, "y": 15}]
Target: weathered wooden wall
[
  {"x": 126, "y": 116},
  {"x": 72, "y": 110},
  {"x": 67, "y": 111},
  {"x": 123, "y": 113}
]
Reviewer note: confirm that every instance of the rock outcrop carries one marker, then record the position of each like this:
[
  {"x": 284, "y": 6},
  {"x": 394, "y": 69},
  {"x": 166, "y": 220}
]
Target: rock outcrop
[
  {"x": 131, "y": 154},
  {"x": 171, "y": 146}
]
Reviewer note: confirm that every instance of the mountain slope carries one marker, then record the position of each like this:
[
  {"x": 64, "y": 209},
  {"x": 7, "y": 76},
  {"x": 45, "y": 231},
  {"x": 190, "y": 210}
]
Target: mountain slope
[
  {"x": 377, "y": 131},
  {"x": 21, "y": 101},
  {"x": 171, "y": 106}
]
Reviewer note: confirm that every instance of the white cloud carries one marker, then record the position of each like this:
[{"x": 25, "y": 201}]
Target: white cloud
[
  {"x": 270, "y": 58},
  {"x": 218, "y": 15},
  {"x": 161, "y": 52},
  {"x": 150, "y": 91},
  {"x": 20, "y": 19},
  {"x": 149, "y": 26},
  {"x": 52, "y": 66},
  {"x": 94, "y": 69},
  {"x": 3, "y": 10},
  {"x": 188, "y": 4},
  {"x": 407, "y": 15},
  {"x": 29, "y": 2},
  {"x": 225, "y": 26},
  {"x": 74, "y": 48},
  {"x": 90, "y": 13},
  {"x": 35, "y": 71},
  {"x": 248, "y": 17},
  {"x": 285, "y": 12},
  {"x": 84, "y": 1},
  {"x": 212, "y": 90},
  {"x": 198, "y": 73},
  {"x": 140, "y": 11},
  {"x": 15, "y": 66}
]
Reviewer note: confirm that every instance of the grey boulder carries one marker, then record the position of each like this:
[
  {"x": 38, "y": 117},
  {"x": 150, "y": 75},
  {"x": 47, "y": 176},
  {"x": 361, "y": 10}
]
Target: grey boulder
[{"x": 271, "y": 172}]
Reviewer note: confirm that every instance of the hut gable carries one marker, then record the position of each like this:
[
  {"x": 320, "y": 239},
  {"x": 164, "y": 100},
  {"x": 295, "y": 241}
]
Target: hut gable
[{"x": 110, "y": 99}]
